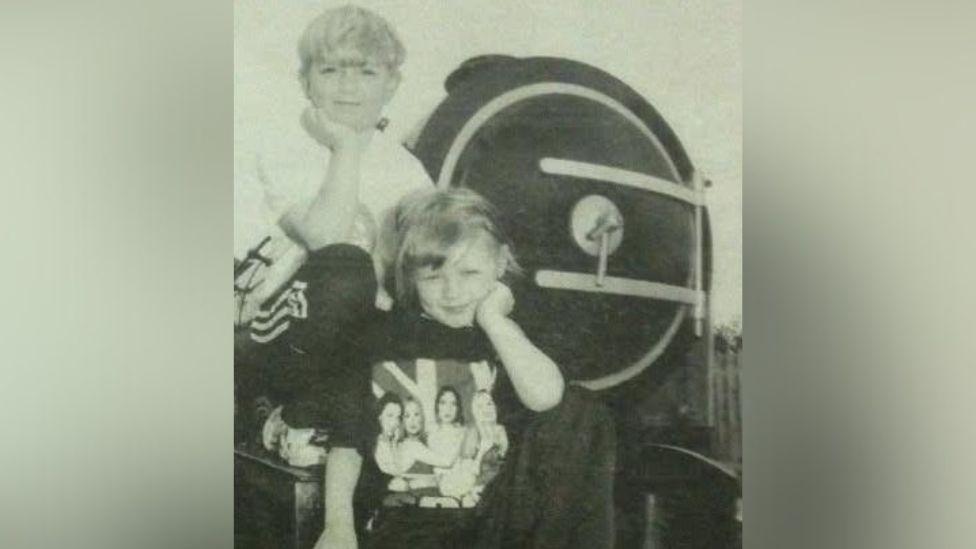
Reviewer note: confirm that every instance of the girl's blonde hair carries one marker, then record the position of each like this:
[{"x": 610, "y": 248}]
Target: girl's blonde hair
[
  {"x": 432, "y": 223},
  {"x": 423, "y": 417}
]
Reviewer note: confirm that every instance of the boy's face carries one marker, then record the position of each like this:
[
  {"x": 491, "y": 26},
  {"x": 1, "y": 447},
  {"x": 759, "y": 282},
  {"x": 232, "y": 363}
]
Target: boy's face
[
  {"x": 452, "y": 293},
  {"x": 350, "y": 87}
]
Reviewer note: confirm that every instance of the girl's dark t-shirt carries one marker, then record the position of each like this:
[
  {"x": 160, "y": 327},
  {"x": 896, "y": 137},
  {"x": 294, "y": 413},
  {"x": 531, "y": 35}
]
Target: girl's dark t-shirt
[{"x": 411, "y": 357}]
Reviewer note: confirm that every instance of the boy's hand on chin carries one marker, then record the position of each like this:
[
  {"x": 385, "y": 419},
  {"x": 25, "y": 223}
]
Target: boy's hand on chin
[
  {"x": 329, "y": 133},
  {"x": 495, "y": 306}
]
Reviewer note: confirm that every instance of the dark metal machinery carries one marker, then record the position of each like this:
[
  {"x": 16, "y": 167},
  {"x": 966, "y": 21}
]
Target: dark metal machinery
[
  {"x": 605, "y": 208},
  {"x": 608, "y": 218}
]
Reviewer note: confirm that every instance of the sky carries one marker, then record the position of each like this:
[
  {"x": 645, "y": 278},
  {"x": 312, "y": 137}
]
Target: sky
[{"x": 684, "y": 57}]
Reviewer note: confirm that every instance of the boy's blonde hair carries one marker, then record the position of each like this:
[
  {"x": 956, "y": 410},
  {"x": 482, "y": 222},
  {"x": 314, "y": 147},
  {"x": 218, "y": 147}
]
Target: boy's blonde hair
[
  {"x": 430, "y": 224},
  {"x": 354, "y": 27}
]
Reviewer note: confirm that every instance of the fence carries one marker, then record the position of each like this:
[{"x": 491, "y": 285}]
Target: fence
[{"x": 726, "y": 409}]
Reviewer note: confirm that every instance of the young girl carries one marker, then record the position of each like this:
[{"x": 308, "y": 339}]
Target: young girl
[
  {"x": 451, "y": 327},
  {"x": 446, "y": 437},
  {"x": 413, "y": 421},
  {"x": 486, "y": 441},
  {"x": 416, "y": 459},
  {"x": 391, "y": 432}
]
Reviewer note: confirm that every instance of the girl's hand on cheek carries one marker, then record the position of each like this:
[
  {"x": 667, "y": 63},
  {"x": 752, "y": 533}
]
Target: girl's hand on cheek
[{"x": 495, "y": 306}]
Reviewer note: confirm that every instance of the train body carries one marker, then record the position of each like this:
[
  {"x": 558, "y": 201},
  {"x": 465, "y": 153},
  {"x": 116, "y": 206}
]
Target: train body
[
  {"x": 608, "y": 217},
  {"x": 604, "y": 206}
]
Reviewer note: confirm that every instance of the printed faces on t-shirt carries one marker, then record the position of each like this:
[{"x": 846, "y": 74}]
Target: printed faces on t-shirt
[{"x": 438, "y": 438}]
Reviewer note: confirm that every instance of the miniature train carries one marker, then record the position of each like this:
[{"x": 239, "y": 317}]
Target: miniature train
[{"x": 609, "y": 220}]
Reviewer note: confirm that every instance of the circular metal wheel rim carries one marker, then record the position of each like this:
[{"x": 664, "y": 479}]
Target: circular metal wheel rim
[{"x": 509, "y": 98}]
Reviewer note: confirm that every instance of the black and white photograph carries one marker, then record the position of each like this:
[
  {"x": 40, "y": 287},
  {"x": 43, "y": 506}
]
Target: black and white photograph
[
  {"x": 492, "y": 268},
  {"x": 487, "y": 274}
]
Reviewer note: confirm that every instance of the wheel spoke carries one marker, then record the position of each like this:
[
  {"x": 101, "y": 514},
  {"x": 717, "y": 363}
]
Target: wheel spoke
[
  {"x": 587, "y": 282},
  {"x": 610, "y": 174}
]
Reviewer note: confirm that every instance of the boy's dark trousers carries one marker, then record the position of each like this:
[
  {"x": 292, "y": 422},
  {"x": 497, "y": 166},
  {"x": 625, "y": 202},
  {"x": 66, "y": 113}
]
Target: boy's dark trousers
[{"x": 310, "y": 365}]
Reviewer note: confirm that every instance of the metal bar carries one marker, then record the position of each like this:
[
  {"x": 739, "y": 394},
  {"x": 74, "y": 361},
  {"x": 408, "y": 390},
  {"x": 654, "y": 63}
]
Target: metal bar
[
  {"x": 584, "y": 282},
  {"x": 484, "y": 114},
  {"x": 698, "y": 313},
  {"x": 619, "y": 176},
  {"x": 601, "y": 267}
]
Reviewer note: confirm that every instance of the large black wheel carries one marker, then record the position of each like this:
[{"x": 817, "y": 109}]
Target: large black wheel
[{"x": 585, "y": 172}]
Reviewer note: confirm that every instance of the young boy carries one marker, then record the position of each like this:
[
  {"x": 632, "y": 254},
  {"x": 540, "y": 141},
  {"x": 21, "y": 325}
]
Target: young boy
[
  {"x": 329, "y": 189},
  {"x": 535, "y": 466}
]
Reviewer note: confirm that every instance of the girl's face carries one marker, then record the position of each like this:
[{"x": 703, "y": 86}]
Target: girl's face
[
  {"x": 390, "y": 418},
  {"x": 447, "y": 407},
  {"x": 483, "y": 408},
  {"x": 452, "y": 293},
  {"x": 413, "y": 418}
]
